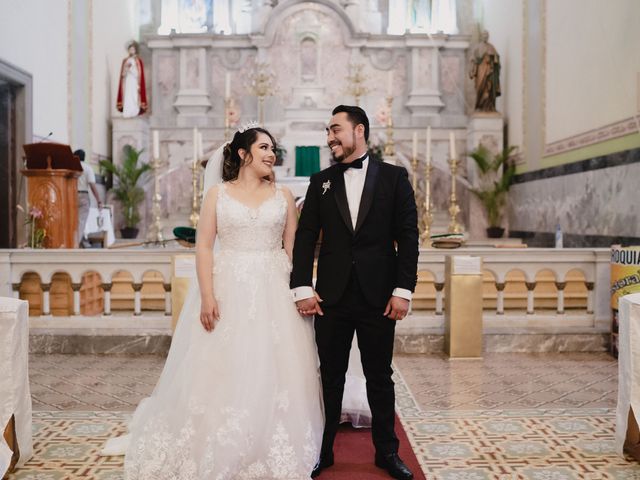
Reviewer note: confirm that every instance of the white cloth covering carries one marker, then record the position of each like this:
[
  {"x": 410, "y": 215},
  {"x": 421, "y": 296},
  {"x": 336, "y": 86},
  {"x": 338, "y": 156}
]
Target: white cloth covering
[
  {"x": 628, "y": 365},
  {"x": 15, "y": 396},
  {"x": 103, "y": 225}
]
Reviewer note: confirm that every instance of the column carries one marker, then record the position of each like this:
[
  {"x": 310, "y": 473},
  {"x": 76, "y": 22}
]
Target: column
[
  {"x": 560, "y": 286},
  {"x": 167, "y": 298},
  {"x": 530, "y": 287},
  {"x": 439, "y": 290},
  {"x": 192, "y": 100},
  {"x": 137, "y": 299},
  {"x": 590, "y": 287},
  {"x": 76, "y": 297},
  {"x": 424, "y": 97},
  {"x": 46, "y": 309},
  {"x": 106, "y": 288},
  {"x": 500, "y": 298}
]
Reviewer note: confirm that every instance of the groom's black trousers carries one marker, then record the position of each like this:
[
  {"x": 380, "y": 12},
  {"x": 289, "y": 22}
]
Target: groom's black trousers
[{"x": 375, "y": 332}]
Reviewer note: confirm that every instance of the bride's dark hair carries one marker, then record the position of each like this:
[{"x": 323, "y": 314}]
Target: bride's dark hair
[{"x": 232, "y": 161}]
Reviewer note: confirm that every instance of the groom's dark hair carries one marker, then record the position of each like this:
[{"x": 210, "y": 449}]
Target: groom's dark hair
[{"x": 356, "y": 116}]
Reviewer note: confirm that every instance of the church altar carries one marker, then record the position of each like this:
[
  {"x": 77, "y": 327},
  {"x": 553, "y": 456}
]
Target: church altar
[{"x": 288, "y": 64}]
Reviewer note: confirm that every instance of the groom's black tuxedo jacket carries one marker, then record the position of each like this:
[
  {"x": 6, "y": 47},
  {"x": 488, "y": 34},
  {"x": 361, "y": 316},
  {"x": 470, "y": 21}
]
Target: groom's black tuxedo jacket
[{"x": 387, "y": 218}]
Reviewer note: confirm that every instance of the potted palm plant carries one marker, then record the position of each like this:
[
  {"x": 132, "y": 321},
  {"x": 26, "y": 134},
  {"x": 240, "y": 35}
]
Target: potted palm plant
[
  {"x": 126, "y": 189},
  {"x": 496, "y": 174}
]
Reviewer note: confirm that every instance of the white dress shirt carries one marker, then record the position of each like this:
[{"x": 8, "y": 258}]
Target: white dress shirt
[{"x": 354, "y": 179}]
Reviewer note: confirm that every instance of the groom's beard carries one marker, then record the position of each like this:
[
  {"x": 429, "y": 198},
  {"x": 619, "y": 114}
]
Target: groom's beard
[{"x": 346, "y": 151}]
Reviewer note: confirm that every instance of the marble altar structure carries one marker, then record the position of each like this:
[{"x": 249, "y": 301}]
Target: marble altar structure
[{"x": 308, "y": 47}]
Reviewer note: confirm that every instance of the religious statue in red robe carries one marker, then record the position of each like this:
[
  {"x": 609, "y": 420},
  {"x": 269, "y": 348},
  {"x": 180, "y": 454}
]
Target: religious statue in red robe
[{"x": 132, "y": 93}]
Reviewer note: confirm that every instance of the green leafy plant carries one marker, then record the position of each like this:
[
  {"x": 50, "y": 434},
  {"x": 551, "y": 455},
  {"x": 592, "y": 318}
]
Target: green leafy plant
[
  {"x": 496, "y": 176},
  {"x": 126, "y": 190}
]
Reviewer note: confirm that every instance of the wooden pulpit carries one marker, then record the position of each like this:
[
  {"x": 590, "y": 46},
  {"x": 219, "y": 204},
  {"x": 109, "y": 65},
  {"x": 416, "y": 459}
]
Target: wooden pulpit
[{"x": 52, "y": 176}]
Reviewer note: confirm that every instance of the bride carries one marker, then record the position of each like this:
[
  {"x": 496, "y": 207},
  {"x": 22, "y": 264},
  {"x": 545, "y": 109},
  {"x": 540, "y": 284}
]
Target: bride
[{"x": 239, "y": 396}]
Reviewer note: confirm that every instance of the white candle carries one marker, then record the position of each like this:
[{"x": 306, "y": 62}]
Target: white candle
[
  {"x": 414, "y": 149},
  {"x": 227, "y": 85},
  {"x": 200, "y": 150},
  {"x": 390, "y": 83},
  {"x": 428, "y": 150},
  {"x": 156, "y": 144},
  {"x": 452, "y": 145},
  {"x": 195, "y": 144}
]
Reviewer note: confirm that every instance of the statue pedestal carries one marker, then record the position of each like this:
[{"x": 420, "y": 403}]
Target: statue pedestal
[
  {"x": 486, "y": 129},
  {"x": 129, "y": 131}
]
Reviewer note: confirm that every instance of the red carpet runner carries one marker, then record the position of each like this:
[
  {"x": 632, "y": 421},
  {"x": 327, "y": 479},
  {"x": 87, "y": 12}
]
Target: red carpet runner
[{"x": 354, "y": 454}]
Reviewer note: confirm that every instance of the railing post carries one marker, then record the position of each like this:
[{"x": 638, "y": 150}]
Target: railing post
[
  {"x": 106, "y": 288},
  {"x": 500, "y": 298},
  {"x": 560, "y": 286},
  {"x": 137, "y": 299},
  {"x": 46, "y": 309},
  {"x": 530, "y": 287},
  {"x": 167, "y": 298},
  {"x": 439, "y": 295},
  {"x": 76, "y": 297},
  {"x": 589, "y": 286}
]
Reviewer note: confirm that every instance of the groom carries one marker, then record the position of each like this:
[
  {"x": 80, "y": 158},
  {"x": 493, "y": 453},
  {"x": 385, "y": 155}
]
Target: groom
[{"x": 367, "y": 270}]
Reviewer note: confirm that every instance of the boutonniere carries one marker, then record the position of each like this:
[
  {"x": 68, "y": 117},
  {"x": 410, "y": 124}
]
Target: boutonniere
[{"x": 326, "y": 186}]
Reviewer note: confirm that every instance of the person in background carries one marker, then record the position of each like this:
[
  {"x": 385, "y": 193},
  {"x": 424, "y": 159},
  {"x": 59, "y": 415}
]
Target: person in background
[{"x": 86, "y": 181}]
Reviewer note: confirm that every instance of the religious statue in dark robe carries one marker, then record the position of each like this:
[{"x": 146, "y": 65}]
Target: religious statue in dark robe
[
  {"x": 132, "y": 93},
  {"x": 484, "y": 69}
]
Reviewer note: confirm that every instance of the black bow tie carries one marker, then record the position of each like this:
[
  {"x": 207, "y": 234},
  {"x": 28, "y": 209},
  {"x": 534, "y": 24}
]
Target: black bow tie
[{"x": 355, "y": 164}]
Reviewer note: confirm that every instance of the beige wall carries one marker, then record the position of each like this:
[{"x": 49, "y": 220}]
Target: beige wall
[
  {"x": 33, "y": 37},
  {"x": 503, "y": 19},
  {"x": 593, "y": 62},
  {"x": 114, "y": 24}
]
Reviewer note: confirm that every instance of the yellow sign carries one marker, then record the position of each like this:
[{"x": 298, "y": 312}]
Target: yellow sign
[
  {"x": 625, "y": 279},
  {"x": 625, "y": 272}
]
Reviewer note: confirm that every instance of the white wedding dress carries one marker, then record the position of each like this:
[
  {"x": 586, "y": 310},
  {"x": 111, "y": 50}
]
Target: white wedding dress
[{"x": 242, "y": 402}]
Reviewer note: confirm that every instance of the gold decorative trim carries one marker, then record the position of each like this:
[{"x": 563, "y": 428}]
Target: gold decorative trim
[
  {"x": 525, "y": 44},
  {"x": 591, "y": 137},
  {"x": 70, "y": 71},
  {"x": 90, "y": 72},
  {"x": 543, "y": 67}
]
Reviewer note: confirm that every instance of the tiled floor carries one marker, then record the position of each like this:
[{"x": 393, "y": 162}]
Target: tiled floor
[
  {"x": 507, "y": 381},
  {"x": 498, "y": 381},
  {"x": 505, "y": 417}
]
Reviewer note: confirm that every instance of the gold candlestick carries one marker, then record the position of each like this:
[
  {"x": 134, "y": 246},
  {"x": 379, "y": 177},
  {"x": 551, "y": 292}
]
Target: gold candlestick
[
  {"x": 414, "y": 176},
  {"x": 454, "y": 209},
  {"x": 195, "y": 215},
  {"x": 389, "y": 146},
  {"x": 262, "y": 85},
  {"x": 427, "y": 216},
  {"x": 355, "y": 81},
  {"x": 155, "y": 232}
]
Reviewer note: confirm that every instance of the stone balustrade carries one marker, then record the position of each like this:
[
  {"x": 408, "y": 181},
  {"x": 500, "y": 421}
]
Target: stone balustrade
[{"x": 527, "y": 291}]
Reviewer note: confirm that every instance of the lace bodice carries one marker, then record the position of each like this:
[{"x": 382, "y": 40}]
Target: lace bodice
[{"x": 244, "y": 229}]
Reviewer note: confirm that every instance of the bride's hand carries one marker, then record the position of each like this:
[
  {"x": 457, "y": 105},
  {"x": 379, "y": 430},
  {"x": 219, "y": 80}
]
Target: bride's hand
[{"x": 209, "y": 313}]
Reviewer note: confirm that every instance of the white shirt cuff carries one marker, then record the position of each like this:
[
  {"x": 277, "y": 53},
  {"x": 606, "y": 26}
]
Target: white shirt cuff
[
  {"x": 301, "y": 293},
  {"x": 402, "y": 293}
]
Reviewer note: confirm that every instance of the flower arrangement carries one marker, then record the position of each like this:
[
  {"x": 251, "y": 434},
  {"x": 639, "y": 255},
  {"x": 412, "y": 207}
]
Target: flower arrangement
[{"x": 37, "y": 235}]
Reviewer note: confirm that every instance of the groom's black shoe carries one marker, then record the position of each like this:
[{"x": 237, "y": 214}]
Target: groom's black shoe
[
  {"x": 392, "y": 463},
  {"x": 324, "y": 462}
]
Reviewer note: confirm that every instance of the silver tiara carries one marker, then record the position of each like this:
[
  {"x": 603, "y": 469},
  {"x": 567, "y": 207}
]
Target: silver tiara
[{"x": 248, "y": 126}]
